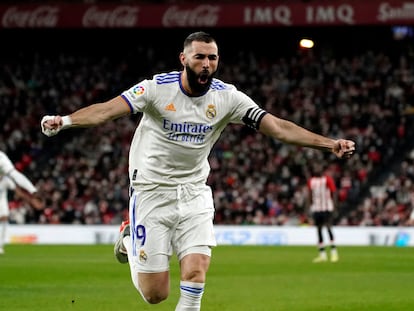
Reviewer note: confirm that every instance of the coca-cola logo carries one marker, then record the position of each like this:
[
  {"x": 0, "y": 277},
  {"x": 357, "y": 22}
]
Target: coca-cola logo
[
  {"x": 120, "y": 16},
  {"x": 202, "y": 15},
  {"x": 41, "y": 16}
]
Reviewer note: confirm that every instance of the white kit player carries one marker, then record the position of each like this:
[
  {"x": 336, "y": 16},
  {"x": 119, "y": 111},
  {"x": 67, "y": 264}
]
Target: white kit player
[
  {"x": 9, "y": 178},
  {"x": 171, "y": 207},
  {"x": 6, "y": 185}
]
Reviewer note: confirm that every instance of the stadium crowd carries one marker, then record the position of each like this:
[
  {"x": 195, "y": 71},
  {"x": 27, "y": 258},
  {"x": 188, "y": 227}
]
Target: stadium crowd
[{"x": 82, "y": 173}]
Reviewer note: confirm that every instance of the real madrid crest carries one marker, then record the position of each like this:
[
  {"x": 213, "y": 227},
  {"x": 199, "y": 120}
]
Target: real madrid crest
[
  {"x": 211, "y": 111},
  {"x": 142, "y": 256}
]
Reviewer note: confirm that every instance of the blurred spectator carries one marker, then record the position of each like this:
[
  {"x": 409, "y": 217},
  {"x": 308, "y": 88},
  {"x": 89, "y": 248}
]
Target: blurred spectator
[{"x": 360, "y": 95}]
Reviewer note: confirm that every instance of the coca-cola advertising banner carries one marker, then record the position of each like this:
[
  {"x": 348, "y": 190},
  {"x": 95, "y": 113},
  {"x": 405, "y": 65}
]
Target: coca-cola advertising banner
[{"x": 254, "y": 14}]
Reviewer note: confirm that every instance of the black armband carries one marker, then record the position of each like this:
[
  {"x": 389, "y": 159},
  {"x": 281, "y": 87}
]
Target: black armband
[{"x": 253, "y": 117}]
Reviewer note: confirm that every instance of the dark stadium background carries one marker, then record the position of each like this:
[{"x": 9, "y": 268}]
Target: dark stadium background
[{"x": 267, "y": 44}]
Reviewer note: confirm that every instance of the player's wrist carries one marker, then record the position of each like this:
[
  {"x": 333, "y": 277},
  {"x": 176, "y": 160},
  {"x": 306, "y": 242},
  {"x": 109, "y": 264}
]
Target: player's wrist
[{"x": 66, "y": 122}]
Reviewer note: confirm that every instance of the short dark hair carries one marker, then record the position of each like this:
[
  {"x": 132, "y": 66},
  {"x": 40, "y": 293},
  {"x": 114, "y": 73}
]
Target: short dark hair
[{"x": 198, "y": 36}]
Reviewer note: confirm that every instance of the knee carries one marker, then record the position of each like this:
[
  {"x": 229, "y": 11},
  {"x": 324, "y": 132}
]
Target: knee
[
  {"x": 154, "y": 296},
  {"x": 198, "y": 276},
  {"x": 153, "y": 287},
  {"x": 194, "y": 268}
]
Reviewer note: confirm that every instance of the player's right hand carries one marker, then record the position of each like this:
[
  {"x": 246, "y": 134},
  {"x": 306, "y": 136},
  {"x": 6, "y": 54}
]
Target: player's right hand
[{"x": 51, "y": 125}]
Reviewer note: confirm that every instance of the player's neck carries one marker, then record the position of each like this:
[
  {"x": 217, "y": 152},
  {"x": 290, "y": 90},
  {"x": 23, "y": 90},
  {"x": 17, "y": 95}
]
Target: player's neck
[
  {"x": 184, "y": 83},
  {"x": 186, "y": 86}
]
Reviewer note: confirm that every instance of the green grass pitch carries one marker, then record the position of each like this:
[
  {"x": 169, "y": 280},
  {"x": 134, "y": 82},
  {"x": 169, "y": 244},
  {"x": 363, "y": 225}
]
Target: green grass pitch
[{"x": 241, "y": 278}]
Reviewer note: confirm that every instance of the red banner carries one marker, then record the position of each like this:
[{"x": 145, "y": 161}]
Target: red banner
[{"x": 207, "y": 15}]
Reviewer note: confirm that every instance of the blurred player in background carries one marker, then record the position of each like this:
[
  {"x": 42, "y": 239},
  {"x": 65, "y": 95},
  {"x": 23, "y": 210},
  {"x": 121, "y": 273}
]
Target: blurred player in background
[
  {"x": 171, "y": 206},
  {"x": 12, "y": 180},
  {"x": 410, "y": 221},
  {"x": 322, "y": 199}
]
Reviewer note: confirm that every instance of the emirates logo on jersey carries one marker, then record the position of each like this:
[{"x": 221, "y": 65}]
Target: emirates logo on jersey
[{"x": 211, "y": 111}]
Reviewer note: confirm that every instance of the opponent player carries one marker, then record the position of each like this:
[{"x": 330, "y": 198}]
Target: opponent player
[
  {"x": 9, "y": 178},
  {"x": 171, "y": 207},
  {"x": 322, "y": 191}
]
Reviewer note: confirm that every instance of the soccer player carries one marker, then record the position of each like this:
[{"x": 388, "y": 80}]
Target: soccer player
[
  {"x": 410, "y": 221},
  {"x": 12, "y": 180},
  {"x": 322, "y": 191},
  {"x": 171, "y": 206}
]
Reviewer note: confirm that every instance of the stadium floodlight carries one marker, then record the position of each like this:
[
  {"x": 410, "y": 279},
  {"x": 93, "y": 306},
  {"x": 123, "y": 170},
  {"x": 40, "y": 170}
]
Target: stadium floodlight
[{"x": 306, "y": 43}]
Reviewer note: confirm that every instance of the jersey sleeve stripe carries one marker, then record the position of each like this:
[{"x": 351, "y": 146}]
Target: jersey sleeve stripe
[{"x": 167, "y": 78}]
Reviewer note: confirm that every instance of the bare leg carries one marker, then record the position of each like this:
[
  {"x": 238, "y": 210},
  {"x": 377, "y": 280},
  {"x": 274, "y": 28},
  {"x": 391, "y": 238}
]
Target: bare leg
[
  {"x": 153, "y": 287},
  {"x": 194, "y": 268}
]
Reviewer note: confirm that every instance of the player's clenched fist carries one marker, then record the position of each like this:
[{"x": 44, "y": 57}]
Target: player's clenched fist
[
  {"x": 51, "y": 125},
  {"x": 344, "y": 148}
]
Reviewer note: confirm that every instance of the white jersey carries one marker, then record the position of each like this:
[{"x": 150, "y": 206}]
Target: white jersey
[
  {"x": 6, "y": 166},
  {"x": 322, "y": 189},
  {"x": 172, "y": 143},
  {"x": 6, "y": 184}
]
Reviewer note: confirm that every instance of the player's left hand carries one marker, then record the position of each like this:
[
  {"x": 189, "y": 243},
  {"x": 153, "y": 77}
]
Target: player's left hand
[
  {"x": 36, "y": 201},
  {"x": 344, "y": 148}
]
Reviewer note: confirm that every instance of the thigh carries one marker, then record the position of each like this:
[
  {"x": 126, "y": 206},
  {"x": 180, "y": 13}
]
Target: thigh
[
  {"x": 195, "y": 231},
  {"x": 153, "y": 218},
  {"x": 329, "y": 219},
  {"x": 318, "y": 219}
]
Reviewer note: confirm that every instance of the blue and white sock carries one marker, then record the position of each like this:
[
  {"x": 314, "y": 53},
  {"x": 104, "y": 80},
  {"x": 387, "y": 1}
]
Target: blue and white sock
[{"x": 190, "y": 298}]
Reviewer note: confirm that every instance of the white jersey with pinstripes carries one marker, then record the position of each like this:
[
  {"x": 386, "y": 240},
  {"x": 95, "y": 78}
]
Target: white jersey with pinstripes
[
  {"x": 322, "y": 193},
  {"x": 172, "y": 143}
]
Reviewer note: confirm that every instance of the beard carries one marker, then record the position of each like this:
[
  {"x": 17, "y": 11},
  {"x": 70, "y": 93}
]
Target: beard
[{"x": 193, "y": 80}]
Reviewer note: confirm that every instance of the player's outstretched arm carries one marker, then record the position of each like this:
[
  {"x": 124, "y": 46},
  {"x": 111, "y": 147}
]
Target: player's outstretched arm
[
  {"x": 22, "y": 181},
  {"x": 89, "y": 116},
  {"x": 26, "y": 189},
  {"x": 291, "y": 133},
  {"x": 34, "y": 199}
]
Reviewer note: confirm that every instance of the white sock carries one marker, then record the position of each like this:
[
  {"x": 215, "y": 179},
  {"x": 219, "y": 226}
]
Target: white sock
[
  {"x": 3, "y": 229},
  {"x": 134, "y": 272},
  {"x": 190, "y": 298}
]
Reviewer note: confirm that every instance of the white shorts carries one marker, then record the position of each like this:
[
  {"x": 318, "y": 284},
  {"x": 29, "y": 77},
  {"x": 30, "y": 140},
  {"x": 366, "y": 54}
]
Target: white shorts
[{"x": 168, "y": 220}]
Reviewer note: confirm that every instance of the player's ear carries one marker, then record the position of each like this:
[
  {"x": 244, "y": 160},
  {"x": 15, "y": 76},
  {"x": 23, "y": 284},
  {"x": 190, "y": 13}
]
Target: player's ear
[{"x": 182, "y": 58}]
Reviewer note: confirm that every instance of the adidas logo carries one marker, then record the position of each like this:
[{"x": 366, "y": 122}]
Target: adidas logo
[{"x": 170, "y": 107}]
